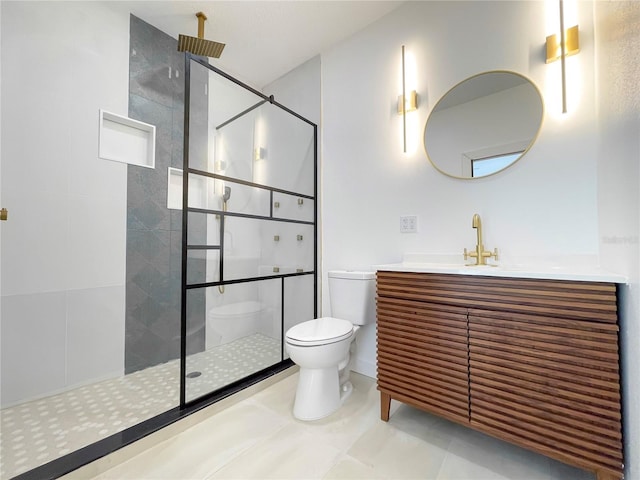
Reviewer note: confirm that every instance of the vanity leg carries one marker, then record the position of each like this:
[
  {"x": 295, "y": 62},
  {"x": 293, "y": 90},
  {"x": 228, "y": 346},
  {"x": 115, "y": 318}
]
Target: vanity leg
[{"x": 385, "y": 405}]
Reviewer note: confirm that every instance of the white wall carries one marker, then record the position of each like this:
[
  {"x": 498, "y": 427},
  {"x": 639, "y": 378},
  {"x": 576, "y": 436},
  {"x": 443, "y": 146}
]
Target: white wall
[
  {"x": 1, "y": 197},
  {"x": 618, "y": 96},
  {"x": 63, "y": 256},
  {"x": 545, "y": 205},
  {"x": 298, "y": 90},
  {"x": 570, "y": 195}
]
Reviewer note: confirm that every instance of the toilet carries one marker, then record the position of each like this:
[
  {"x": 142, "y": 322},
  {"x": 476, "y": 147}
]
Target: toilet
[
  {"x": 321, "y": 347},
  {"x": 226, "y": 323}
]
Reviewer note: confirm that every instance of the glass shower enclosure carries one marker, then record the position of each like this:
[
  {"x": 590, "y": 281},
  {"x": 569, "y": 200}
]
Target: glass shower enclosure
[
  {"x": 186, "y": 290},
  {"x": 249, "y": 247}
]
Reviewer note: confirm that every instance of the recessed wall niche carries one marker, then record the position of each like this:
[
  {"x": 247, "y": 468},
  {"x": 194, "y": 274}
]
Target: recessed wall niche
[
  {"x": 123, "y": 139},
  {"x": 198, "y": 190}
]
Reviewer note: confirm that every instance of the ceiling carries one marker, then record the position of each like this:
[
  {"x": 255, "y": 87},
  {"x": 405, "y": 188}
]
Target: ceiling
[{"x": 265, "y": 39}]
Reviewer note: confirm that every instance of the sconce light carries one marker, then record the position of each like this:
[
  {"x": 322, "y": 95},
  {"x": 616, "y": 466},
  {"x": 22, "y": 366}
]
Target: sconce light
[
  {"x": 572, "y": 44},
  {"x": 410, "y": 104},
  {"x": 406, "y": 104},
  {"x": 569, "y": 45},
  {"x": 259, "y": 153}
]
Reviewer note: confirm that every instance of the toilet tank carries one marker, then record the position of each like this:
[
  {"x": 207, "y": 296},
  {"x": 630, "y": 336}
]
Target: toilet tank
[{"x": 352, "y": 295}]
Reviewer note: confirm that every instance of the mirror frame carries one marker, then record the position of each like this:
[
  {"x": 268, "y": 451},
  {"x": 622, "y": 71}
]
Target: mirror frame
[{"x": 525, "y": 151}]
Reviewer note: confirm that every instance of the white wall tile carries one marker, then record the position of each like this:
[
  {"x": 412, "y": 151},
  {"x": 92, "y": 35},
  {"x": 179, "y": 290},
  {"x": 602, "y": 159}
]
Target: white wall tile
[
  {"x": 96, "y": 242},
  {"x": 95, "y": 334},
  {"x": 67, "y": 208},
  {"x": 50, "y": 145},
  {"x": 33, "y": 345},
  {"x": 34, "y": 242}
]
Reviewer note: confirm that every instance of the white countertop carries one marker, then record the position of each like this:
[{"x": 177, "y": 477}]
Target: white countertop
[{"x": 584, "y": 272}]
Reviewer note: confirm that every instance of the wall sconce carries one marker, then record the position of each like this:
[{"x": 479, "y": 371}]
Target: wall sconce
[
  {"x": 410, "y": 104},
  {"x": 406, "y": 104},
  {"x": 259, "y": 153},
  {"x": 569, "y": 45}
]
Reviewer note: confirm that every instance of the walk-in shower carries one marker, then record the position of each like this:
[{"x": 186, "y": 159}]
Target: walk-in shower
[
  {"x": 219, "y": 256},
  {"x": 255, "y": 260}
]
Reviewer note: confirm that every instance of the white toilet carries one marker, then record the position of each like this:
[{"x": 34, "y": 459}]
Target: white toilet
[
  {"x": 226, "y": 323},
  {"x": 320, "y": 347}
]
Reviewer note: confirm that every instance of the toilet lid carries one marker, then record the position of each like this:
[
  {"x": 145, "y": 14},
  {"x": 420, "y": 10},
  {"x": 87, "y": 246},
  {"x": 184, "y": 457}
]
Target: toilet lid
[{"x": 319, "y": 331}]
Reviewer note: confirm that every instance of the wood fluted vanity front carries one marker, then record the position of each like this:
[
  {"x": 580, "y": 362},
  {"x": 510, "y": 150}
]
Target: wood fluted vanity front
[{"x": 531, "y": 361}]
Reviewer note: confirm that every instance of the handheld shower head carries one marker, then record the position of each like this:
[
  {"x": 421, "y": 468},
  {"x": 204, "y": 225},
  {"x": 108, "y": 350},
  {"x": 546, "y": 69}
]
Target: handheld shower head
[{"x": 225, "y": 198}]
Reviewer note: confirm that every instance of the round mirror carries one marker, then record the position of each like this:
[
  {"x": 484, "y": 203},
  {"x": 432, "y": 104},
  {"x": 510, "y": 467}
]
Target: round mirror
[{"x": 483, "y": 125}]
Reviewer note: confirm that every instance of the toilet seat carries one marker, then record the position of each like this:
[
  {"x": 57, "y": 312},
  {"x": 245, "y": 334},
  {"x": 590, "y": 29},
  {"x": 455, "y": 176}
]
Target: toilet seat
[{"x": 320, "y": 331}]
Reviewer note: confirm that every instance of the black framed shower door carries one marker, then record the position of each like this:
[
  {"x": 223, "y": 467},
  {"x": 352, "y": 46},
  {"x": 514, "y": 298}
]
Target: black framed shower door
[{"x": 249, "y": 230}]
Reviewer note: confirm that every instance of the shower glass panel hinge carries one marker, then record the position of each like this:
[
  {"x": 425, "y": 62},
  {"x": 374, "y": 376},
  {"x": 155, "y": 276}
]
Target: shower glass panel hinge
[
  {"x": 299, "y": 237},
  {"x": 4, "y": 214},
  {"x": 300, "y": 201}
]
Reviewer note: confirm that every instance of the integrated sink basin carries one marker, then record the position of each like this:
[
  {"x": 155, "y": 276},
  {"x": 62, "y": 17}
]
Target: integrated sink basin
[{"x": 585, "y": 273}]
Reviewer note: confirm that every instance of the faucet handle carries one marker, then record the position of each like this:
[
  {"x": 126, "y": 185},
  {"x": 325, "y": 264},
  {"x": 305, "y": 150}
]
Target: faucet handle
[
  {"x": 466, "y": 254},
  {"x": 495, "y": 254}
]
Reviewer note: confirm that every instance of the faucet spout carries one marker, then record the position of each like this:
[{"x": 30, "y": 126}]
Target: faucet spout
[
  {"x": 479, "y": 254},
  {"x": 477, "y": 224}
]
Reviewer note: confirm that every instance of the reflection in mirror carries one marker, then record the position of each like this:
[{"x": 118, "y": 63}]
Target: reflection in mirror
[{"x": 483, "y": 125}]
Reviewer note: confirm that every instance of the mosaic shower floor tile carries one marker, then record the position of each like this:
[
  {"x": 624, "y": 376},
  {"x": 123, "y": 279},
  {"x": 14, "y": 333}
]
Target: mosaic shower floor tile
[{"x": 36, "y": 432}]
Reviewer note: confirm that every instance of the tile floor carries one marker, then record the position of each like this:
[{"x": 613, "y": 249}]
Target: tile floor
[
  {"x": 258, "y": 438},
  {"x": 39, "y": 431}
]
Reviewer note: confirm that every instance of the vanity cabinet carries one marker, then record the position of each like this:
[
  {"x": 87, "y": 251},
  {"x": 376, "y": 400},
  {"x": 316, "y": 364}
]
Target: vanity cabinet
[
  {"x": 422, "y": 355},
  {"x": 531, "y": 361}
]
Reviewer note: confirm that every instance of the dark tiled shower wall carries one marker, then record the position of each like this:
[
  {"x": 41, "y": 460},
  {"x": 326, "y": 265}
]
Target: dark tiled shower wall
[{"x": 154, "y": 232}]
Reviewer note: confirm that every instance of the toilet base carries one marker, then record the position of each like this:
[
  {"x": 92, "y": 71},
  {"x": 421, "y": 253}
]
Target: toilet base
[
  {"x": 319, "y": 393},
  {"x": 345, "y": 391}
]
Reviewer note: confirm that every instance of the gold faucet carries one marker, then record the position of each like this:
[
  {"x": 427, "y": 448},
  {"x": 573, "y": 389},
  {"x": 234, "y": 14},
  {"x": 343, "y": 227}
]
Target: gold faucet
[{"x": 480, "y": 253}]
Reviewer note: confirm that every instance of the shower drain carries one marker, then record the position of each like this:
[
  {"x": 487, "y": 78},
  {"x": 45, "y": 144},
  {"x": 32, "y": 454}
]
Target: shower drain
[{"x": 193, "y": 374}]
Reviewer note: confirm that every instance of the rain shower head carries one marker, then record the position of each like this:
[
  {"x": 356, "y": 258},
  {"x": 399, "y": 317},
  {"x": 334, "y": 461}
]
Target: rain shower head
[{"x": 198, "y": 45}]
